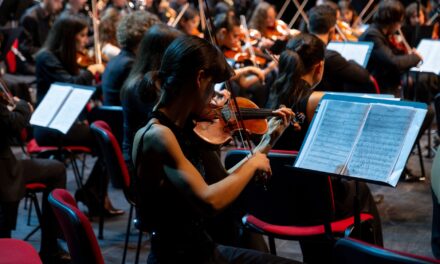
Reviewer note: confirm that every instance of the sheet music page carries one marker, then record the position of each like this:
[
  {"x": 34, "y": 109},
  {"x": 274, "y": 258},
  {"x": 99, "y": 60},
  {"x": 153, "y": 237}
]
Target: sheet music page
[
  {"x": 350, "y": 51},
  {"x": 50, "y": 105},
  {"x": 430, "y": 51},
  {"x": 328, "y": 147},
  {"x": 379, "y": 145},
  {"x": 71, "y": 109}
]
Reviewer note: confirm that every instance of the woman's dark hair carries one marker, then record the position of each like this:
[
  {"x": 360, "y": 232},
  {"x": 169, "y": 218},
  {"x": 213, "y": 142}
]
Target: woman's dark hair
[
  {"x": 61, "y": 40},
  {"x": 150, "y": 52},
  {"x": 346, "y": 5},
  {"x": 189, "y": 14},
  {"x": 182, "y": 61},
  {"x": 301, "y": 54},
  {"x": 226, "y": 20},
  {"x": 389, "y": 12}
]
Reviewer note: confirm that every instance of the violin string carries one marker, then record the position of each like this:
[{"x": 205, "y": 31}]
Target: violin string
[{"x": 211, "y": 27}]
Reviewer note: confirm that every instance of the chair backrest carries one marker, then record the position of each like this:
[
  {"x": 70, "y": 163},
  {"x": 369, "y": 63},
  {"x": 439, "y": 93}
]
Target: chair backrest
[
  {"x": 77, "y": 230},
  {"x": 112, "y": 115},
  {"x": 435, "y": 176},
  {"x": 291, "y": 197},
  {"x": 348, "y": 250},
  {"x": 110, "y": 151}
]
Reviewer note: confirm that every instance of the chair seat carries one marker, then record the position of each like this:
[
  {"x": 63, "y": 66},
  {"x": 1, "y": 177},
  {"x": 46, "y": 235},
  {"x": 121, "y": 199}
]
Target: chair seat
[
  {"x": 35, "y": 187},
  {"x": 14, "y": 251},
  {"x": 300, "y": 231},
  {"x": 34, "y": 148}
]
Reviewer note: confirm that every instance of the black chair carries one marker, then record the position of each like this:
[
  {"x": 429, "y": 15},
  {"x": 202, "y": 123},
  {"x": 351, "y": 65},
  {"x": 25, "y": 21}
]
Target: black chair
[
  {"x": 294, "y": 205},
  {"x": 348, "y": 250}
]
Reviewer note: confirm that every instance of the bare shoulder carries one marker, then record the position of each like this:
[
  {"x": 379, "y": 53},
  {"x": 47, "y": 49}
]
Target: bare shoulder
[
  {"x": 312, "y": 104},
  {"x": 157, "y": 137}
]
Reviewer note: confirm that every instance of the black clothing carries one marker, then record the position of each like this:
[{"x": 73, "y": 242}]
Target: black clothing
[
  {"x": 291, "y": 139},
  {"x": 115, "y": 74},
  {"x": 14, "y": 174},
  {"x": 178, "y": 229},
  {"x": 36, "y": 23},
  {"x": 50, "y": 69},
  {"x": 136, "y": 110},
  {"x": 341, "y": 75},
  {"x": 384, "y": 64}
]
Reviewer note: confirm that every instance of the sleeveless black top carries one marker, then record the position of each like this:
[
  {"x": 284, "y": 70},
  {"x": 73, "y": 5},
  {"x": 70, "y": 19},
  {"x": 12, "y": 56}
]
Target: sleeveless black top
[{"x": 178, "y": 228}]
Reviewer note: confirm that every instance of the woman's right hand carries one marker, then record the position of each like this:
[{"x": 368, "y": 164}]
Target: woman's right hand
[
  {"x": 260, "y": 162},
  {"x": 96, "y": 68}
]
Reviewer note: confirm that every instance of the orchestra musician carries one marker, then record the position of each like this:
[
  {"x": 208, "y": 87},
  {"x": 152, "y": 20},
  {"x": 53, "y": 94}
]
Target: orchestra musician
[
  {"x": 385, "y": 64},
  {"x": 301, "y": 67},
  {"x": 340, "y": 75},
  {"x": 16, "y": 173},
  {"x": 136, "y": 99},
  {"x": 189, "y": 23},
  {"x": 247, "y": 81},
  {"x": 56, "y": 62},
  {"x": 107, "y": 33},
  {"x": 130, "y": 30},
  {"x": 172, "y": 175},
  {"x": 36, "y": 23}
]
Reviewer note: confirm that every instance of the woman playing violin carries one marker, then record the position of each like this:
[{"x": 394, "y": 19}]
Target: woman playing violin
[
  {"x": 189, "y": 23},
  {"x": 174, "y": 181}
]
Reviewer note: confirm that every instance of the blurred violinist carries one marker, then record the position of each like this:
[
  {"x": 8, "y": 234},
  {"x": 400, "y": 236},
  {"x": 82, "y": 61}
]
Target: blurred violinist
[
  {"x": 129, "y": 33},
  {"x": 75, "y": 7},
  {"x": 107, "y": 33},
  {"x": 340, "y": 75},
  {"x": 412, "y": 20},
  {"x": 189, "y": 23},
  {"x": 248, "y": 79},
  {"x": 348, "y": 14},
  {"x": 56, "y": 62},
  {"x": 386, "y": 64}
]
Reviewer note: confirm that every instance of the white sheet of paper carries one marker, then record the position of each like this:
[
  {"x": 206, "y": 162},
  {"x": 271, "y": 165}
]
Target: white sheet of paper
[
  {"x": 328, "y": 146},
  {"x": 350, "y": 51},
  {"x": 50, "y": 105},
  {"x": 379, "y": 145},
  {"x": 430, "y": 51},
  {"x": 71, "y": 109}
]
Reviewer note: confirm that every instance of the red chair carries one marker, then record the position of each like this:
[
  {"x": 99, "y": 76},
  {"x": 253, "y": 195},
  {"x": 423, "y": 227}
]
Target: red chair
[
  {"x": 115, "y": 165},
  {"x": 81, "y": 241},
  {"x": 348, "y": 250},
  {"x": 14, "y": 251},
  {"x": 294, "y": 206}
]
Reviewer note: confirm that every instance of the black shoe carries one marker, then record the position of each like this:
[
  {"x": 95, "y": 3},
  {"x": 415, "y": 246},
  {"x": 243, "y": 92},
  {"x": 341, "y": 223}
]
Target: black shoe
[
  {"x": 91, "y": 200},
  {"x": 59, "y": 256}
]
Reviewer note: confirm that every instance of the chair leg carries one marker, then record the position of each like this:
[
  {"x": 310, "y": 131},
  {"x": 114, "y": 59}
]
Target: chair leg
[
  {"x": 76, "y": 172},
  {"x": 272, "y": 247},
  {"x": 422, "y": 166},
  {"x": 127, "y": 234},
  {"x": 138, "y": 249},
  {"x": 30, "y": 209},
  {"x": 34, "y": 200}
]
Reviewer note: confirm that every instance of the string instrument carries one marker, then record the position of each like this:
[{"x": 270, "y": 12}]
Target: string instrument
[
  {"x": 399, "y": 43},
  {"x": 220, "y": 123},
  {"x": 239, "y": 56},
  {"x": 280, "y": 31},
  {"x": 6, "y": 97},
  {"x": 344, "y": 32}
]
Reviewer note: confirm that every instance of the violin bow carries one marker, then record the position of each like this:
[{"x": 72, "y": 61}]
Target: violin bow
[
  {"x": 295, "y": 17},
  {"x": 301, "y": 10},
  {"x": 179, "y": 16},
  {"x": 96, "y": 43},
  {"x": 283, "y": 9},
  {"x": 248, "y": 39},
  {"x": 341, "y": 33},
  {"x": 4, "y": 89},
  {"x": 370, "y": 14},
  {"x": 405, "y": 43},
  {"x": 362, "y": 13},
  {"x": 238, "y": 116},
  {"x": 203, "y": 20}
]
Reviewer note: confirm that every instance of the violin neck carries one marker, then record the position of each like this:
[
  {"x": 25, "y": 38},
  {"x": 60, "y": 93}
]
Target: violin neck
[{"x": 252, "y": 113}]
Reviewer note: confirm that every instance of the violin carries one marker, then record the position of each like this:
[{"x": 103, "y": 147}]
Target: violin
[
  {"x": 84, "y": 60},
  {"x": 242, "y": 57},
  {"x": 344, "y": 32},
  {"x": 280, "y": 31},
  {"x": 219, "y": 123}
]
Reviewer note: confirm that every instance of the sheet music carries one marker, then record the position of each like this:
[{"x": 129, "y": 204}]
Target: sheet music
[
  {"x": 50, "y": 105},
  {"x": 351, "y": 51},
  {"x": 329, "y": 148},
  {"x": 376, "y": 152},
  {"x": 430, "y": 51},
  {"x": 71, "y": 109}
]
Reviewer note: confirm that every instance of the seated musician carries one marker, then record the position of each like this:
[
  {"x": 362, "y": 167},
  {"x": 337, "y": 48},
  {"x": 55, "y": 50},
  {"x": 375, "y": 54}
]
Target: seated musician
[
  {"x": 301, "y": 68},
  {"x": 190, "y": 21},
  {"x": 386, "y": 63},
  {"x": 15, "y": 174},
  {"x": 174, "y": 195},
  {"x": 56, "y": 62},
  {"x": 129, "y": 33},
  {"x": 247, "y": 80},
  {"x": 340, "y": 75},
  {"x": 36, "y": 23}
]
